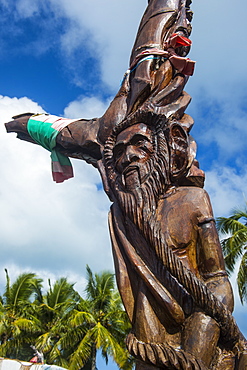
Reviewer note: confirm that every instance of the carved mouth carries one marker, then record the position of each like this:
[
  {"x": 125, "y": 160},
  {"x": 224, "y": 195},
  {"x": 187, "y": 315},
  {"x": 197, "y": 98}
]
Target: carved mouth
[
  {"x": 130, "y": 170},
  {"x": 131, "y": 176}
]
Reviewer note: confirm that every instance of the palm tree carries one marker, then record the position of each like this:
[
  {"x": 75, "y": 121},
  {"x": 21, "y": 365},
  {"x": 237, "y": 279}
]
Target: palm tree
[
  {"x": 235, "y": 246},
  {"x": 67, "y": 328},
  {"x": 97, "y": 323},
  {"x": 60, "y": 299},
  {"x": 18, "y": 322}
]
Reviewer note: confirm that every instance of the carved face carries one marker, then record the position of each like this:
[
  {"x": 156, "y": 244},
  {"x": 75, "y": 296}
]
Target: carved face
[{"x": 132, "y": 150}]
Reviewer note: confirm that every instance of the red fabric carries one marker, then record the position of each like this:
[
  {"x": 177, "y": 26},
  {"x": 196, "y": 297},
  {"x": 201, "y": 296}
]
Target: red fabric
[
  {"x": 59, "y": 177},
  {"x": 34, "y": 360},
  {"x": 60, "y": 172},
  {"x": 177, "y": 40},
  {"x": 182, "y": 64}
]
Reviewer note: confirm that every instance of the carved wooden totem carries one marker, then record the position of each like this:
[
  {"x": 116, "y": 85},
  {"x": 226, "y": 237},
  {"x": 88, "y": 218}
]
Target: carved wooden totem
[{"x": 169, "y": 264}]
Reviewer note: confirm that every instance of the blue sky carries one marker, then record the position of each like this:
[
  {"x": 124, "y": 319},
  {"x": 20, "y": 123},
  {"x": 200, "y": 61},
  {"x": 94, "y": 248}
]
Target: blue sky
[{"x": 67, "y": 57}]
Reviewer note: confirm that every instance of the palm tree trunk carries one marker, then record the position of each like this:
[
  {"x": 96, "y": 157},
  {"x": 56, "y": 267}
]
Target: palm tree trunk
[{"x": 94, "y": 351}]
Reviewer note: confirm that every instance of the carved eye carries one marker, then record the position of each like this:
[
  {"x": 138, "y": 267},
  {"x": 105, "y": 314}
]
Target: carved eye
[
  {"x": 118, "y": 151},
  {"x": 138, "y": 140}
]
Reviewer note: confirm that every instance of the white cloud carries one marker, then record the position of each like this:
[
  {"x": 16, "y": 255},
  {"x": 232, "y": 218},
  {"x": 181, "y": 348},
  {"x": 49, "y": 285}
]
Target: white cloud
[
  {"x": 101, "y": 30},
  {"x": 27, "y": 8},
  {"x": 223, "y": 122},
  {"x": 227, "y": 189},
  {"x": 13, "y": 106},
  {"x": 107, "y": 29},
  {"x": 14, "y": 270},
  {"x": 89, "y": 107},
  {"x": 218, "y": 46},
  {"x": 44, "y": 225}
]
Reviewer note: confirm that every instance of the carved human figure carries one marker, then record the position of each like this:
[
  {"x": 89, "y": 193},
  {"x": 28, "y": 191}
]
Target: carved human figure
[
  {"x": 167, "y": 255},
  {"x": 149, "y": 207}
]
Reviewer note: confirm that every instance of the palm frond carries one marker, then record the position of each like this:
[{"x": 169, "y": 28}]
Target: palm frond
[
  {"x": 56, "y": 357},
  {"x": 28, "y": 326},
  {"x": 228, "y": 225},
  {"x": 44, "y": 342},
  {"x": 104, "y": 340},
  {"x": 72, "y": 337},
  {"x": 231, "y": 254},
  {"x": 22, "y": 289},
  {"x": 83, "y": 352},
  {"x": 91, "y": 288},
  {"x": 7, "y": 284},
  {"x": 61, "y": 291},
  {"x": 99, "y": 288},
  {"x": 242, "y": 279},
  {"x": 239, "y": 213},
  {"x": 233, "y": 248},
  {"x": 79, "y": 318}
]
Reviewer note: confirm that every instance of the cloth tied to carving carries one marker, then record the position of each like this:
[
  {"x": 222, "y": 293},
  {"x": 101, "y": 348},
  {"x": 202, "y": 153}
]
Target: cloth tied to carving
[
  {"x": 44, "y": 128},
  {"x": 182, "y": 64}
]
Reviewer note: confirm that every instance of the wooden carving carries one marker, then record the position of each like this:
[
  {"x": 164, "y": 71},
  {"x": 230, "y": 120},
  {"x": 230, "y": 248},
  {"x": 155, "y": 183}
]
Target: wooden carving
[{"x": 169, "y": 264}]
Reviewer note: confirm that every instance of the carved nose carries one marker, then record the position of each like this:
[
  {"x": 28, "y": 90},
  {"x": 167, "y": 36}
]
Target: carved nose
[{"x": 129, "y": 156}]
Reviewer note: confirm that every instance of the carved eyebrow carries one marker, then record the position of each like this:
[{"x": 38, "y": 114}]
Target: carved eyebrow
[
  {"x": 121, "y": 142},
  {"x": 139, "y": 137},
  {"x": 135, "y": 137}
]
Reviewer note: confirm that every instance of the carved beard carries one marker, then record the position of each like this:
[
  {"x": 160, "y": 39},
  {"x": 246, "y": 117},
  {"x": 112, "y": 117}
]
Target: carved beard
[
  {"x": 139, "y": 204},
  {"x": 138, "y": 200}
]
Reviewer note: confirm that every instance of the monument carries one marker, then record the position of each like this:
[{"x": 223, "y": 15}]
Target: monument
[{"x": 168, "y": 260}]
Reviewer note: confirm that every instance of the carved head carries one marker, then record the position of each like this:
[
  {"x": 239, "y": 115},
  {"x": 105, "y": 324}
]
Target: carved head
[
  {"x": 144, "y": 156},
  {"x": 145, "y": 145},
  {"x": 133, "y": 148}
]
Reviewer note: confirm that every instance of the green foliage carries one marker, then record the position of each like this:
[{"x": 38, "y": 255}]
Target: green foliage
[
  {"x": 96, "y": 323},
  {"x": 235, "y": 246},
  {"x": 66, "y": 327},
  {"x": 23, "y": 291},
  {"x": 19, "y": 325}
]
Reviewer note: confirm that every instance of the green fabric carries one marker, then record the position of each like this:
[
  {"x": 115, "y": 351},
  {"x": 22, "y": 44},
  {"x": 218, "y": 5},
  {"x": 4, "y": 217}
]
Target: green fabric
[
  {"x": 45, "y": 135},
  {"x": 58, "y": 157},
  {"x": 42, "y": 133}
]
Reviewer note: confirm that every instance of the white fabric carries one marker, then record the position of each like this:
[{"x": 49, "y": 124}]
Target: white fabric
[
  {"x": 58, "y": 123},
  {"x": 6, "y": 364}
]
